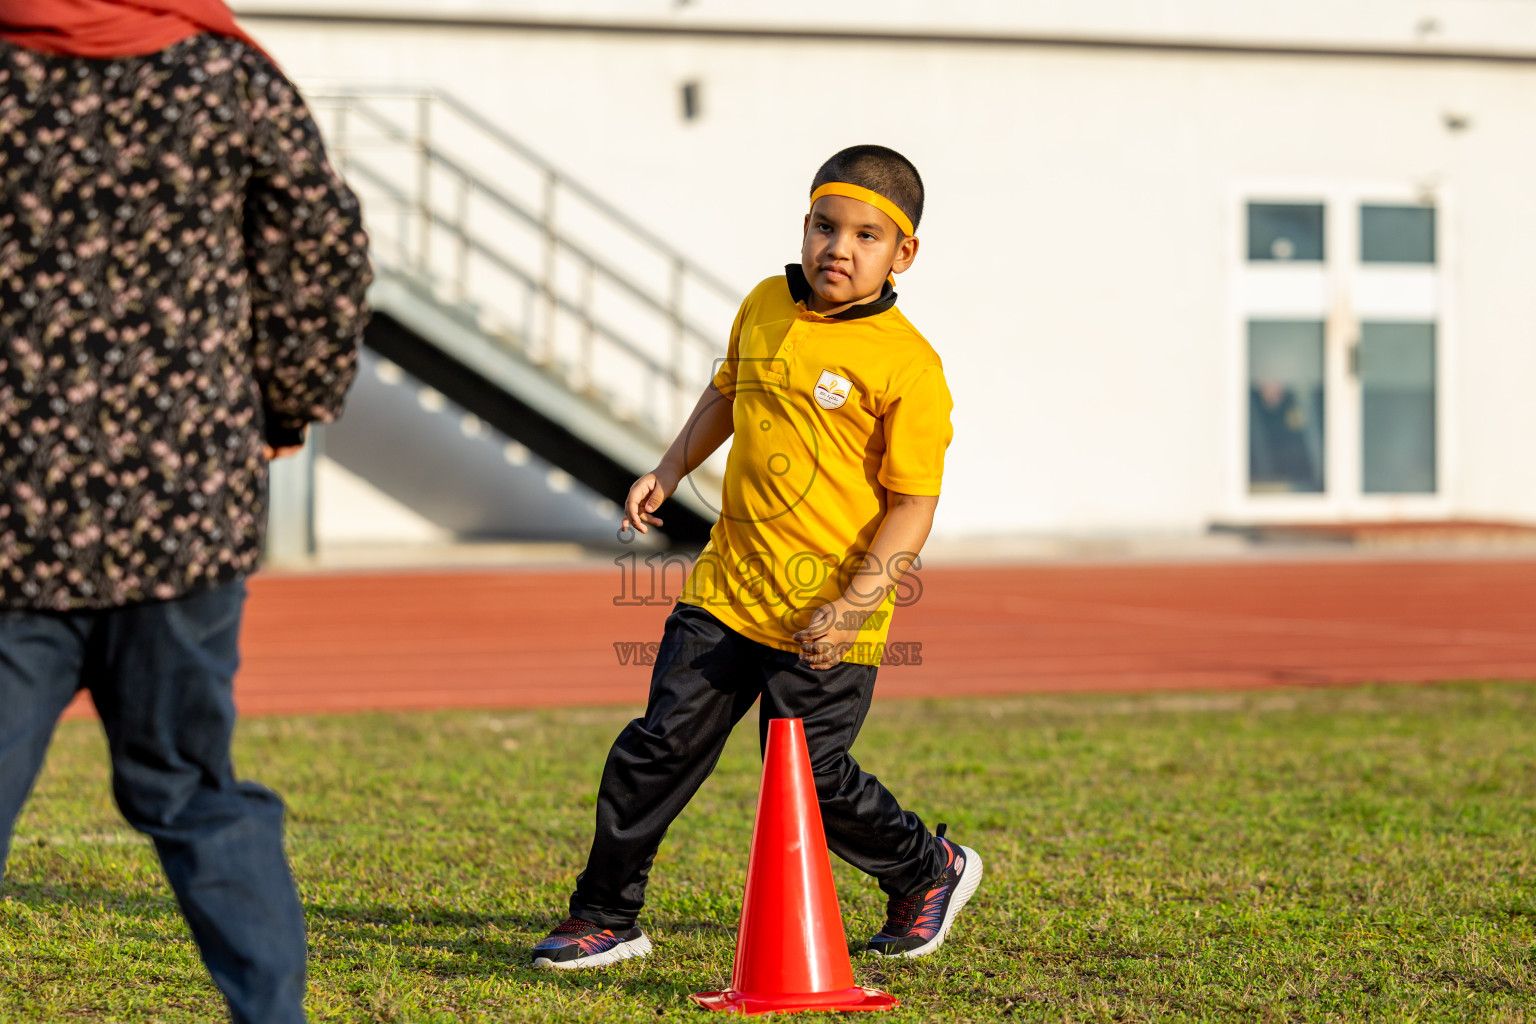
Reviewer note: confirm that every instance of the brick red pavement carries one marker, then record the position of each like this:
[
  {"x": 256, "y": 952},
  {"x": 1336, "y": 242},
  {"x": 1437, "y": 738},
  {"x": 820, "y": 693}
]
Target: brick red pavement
[{"x": 519, "y": 638}]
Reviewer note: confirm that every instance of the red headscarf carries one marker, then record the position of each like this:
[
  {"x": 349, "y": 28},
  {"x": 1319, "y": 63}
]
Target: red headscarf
[{"x": 113, "y": 28}]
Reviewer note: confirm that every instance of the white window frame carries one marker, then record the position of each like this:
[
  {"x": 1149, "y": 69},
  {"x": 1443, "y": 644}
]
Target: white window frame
[{"x": 1333, "y": 292}]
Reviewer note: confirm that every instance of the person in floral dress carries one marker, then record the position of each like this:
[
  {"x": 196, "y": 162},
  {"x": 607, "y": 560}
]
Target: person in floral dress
[{"x": 182, "y": 281}]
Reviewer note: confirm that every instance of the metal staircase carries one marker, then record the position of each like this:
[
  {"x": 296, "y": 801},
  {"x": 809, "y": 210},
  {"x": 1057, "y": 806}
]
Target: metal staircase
[{"x": 523, "y": 296}]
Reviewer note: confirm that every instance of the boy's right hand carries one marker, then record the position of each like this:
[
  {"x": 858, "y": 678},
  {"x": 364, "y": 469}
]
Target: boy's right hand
[{"x": 645, "y": 497}]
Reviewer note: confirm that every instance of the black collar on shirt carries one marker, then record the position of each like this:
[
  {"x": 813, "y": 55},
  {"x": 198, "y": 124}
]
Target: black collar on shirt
[{"x": 800, "y": 290}]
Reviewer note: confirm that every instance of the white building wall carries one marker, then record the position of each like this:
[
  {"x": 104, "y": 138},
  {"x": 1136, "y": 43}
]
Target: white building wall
[{"x": 1082, "y": 219}]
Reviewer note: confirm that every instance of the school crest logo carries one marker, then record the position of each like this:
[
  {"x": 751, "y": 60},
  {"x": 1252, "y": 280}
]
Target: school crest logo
[{"x": 831, "y": 390}]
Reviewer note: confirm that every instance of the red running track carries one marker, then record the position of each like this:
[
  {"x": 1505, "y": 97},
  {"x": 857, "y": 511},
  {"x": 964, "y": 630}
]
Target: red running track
[{"x": 517, "y": 638}]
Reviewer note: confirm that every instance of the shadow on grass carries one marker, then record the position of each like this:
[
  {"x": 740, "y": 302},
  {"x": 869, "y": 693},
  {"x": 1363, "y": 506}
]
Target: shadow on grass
[
  {"x": 418, "y": 948},
  {"x": 340, "y": 930},
  {"x": 432, "y": 916},
  {"x": 416, "y": 933},
  {"x": 694, "y": 926},
  {"x": 39, "y": 895},
  {"x": 438, "y": 916}
]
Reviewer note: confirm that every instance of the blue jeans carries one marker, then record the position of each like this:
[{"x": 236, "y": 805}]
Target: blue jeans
[{"x": 161, "y": 676}]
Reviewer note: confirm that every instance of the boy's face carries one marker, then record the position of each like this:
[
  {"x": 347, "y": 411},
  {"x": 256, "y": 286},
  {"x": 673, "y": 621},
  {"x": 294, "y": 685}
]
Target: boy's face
[{"x": 848, "y": 250}]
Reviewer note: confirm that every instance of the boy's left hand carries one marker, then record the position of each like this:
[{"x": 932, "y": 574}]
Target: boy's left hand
[{"x": 824, "y": 640}]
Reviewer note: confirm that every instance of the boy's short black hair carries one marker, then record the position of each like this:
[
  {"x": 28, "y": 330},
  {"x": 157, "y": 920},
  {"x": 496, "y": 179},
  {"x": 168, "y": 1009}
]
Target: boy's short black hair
[{"x": 880, "y": 170}]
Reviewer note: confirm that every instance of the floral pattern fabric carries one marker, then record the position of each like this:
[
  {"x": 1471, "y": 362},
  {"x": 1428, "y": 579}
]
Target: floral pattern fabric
[{"x": 182, "y": 279}]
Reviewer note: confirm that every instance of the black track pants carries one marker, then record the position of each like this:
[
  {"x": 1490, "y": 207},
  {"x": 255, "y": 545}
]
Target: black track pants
[{"x": 706, "y": 678}]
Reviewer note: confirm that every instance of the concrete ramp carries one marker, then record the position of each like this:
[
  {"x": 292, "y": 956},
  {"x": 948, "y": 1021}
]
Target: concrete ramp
[{"x": 443, "y": 462}]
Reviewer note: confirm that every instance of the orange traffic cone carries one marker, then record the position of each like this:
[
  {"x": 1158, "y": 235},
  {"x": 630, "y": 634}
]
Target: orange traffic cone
[{"x": 791, "y": 953}]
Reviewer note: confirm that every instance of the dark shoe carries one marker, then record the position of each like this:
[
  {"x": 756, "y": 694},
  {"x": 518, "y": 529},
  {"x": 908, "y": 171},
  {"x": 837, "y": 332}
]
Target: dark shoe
[
  {"x": 916, "y": 925},
  {"x": 577, "y": 943}
]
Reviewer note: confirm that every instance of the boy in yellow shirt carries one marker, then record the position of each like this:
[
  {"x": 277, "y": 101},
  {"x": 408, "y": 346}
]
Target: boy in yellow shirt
[{"x": 840, "y": 417}]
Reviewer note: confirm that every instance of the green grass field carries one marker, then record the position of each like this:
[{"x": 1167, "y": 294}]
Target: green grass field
[{"x": 1361, "y": 855}]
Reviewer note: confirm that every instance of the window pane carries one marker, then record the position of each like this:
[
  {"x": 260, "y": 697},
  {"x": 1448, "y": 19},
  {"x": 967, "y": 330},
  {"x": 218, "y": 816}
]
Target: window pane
[
  {"x": 1397, "y": 234},
  {"x": 1285, "y": 231},
  {"x": 1285, "y": 406},
  {"x": 1397, "y": 385}
]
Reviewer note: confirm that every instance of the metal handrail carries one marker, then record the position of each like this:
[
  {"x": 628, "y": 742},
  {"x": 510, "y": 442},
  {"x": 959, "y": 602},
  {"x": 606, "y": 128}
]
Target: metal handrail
[
  {"x": 588, "y": 196},
  {"x": 501, "y": 199},
  {"x": 501, "y": 263},
  {"x": 534, "y": 268},
  {"x": 511, "y": 142}
]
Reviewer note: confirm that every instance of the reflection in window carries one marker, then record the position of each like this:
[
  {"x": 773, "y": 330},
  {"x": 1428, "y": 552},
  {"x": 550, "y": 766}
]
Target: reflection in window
[
  {"x": 1397, "y": 388},
  {"x": 1285, "y": 231},
  {"x": 1285, "y": 406},
  {"x": 1397, "y": 234}
]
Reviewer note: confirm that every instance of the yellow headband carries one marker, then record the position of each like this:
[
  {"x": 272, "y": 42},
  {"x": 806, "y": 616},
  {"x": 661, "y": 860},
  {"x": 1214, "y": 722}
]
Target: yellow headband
[{"x": 864, "y": 195}]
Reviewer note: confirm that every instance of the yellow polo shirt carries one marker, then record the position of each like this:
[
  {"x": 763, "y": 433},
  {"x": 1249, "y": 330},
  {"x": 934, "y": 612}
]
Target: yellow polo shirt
[{"x": 829, "y": 414}]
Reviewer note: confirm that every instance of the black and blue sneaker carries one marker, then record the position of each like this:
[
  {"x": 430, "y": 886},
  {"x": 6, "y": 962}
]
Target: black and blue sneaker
[
  {"x": 576, "y": 943},
  {"x": 916, "y": 925}
]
